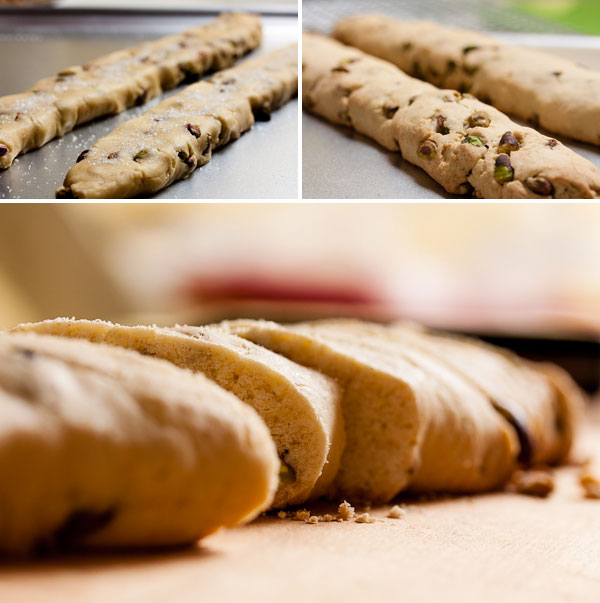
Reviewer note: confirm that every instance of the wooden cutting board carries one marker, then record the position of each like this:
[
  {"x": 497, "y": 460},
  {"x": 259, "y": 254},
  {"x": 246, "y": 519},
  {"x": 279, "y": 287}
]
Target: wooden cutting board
[{"x": 495, "y": 547}]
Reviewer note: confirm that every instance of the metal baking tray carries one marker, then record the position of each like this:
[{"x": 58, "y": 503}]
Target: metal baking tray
[
  {"x": 263, "y": 163},
  {"x": 338, "y": 163}
]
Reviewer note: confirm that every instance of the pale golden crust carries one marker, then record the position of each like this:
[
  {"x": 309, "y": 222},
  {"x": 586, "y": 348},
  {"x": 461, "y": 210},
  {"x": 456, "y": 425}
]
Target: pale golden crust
[
  {"x": 102, "y": 447},
  {"x": 559, "y": 94},
  {"x": 111, "y": 84},
  {"x": 167, "y": 143},
  {"x": 301, "y": 407},
  {"x": 465, "y": 145}
]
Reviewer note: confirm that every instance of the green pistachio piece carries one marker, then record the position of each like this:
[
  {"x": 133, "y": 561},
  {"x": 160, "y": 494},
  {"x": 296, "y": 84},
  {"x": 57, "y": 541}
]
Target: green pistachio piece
[
  {"x": 474, "y": 141},
  {"x": 539, "y": 185},
  {"x": 427, "y": 149},
  {"x": 464, "y": 87},
  {"x": 141, "y": 155},
  {"x": 480, "y": 119},
  {"x": 508, "y": 143},
  {"x": 407, "y": 46},
  {"x": 503, "y": 171}
]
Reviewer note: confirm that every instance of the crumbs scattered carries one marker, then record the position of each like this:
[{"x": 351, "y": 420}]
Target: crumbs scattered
[
  {"x": 590, "y": 481},
  {"x": 396, "y": 513},
  {"x": 346, "y": 511},
  {"x": 533, "y": 483},
  {"x": 365, "y": 518}
]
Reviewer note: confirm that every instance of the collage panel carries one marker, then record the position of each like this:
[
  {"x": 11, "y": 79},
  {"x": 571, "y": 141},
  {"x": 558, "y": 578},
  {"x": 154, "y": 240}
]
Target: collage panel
[
  {"x": 446, "y": 99},
  {"x": 110, "y": 102}
]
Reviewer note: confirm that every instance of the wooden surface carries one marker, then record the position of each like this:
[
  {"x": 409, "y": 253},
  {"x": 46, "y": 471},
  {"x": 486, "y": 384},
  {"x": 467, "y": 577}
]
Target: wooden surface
[{"x": 495, "y": 547}]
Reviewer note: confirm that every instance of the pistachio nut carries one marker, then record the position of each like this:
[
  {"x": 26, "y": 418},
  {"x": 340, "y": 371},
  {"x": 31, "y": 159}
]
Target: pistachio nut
[
  {"x": 508, "y": 143},
  {"x": 389, "y": 112},
  {"x": 412, "y": 99},
  {"x": 474, "y": 141},
  {"x": 3, "y": 150},
  {"x": 113, "y": 155},
  {"x": 440, "y": 125},
  {"x": 479, "y": 119},
  {"x": 141, "y": 155},
  {"x": 503, "y": 171},
  {"x": 287, "y": 475},
  {"x": 468, "y": 49},
  {"x": 427, "y": 149},
  {"x": 194, "y": 130},
  {"x": 539, "y": 185}
]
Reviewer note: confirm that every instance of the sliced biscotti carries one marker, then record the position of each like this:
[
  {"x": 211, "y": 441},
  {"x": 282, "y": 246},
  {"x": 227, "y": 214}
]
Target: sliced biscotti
[
  {"x": 463, "y": 428},
  {"x": 168, "y": 142},
  {"x": 543, "y": 410},
  {"x": 103, "y": 447},
  {"x": 404, "y": 426},
  {"x": 111, "y": 84},
  {"x": 465, "y": 145},
  {"x": 548, "y": 90},
  {"x": 300, "y": 407}
]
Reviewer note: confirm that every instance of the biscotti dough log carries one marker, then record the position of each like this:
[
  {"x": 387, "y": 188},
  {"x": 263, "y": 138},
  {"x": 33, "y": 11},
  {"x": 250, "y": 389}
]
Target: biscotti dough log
[
  {"x": 395, "y": 414},
  {"x": 111, "y": 84},
  {"x": 465, "y": 145},
  {"x": 300, "y": 407},
  {"x": 102, "y": 447},
  {"x": 169, "y": 142},
  {"x": 543, "y": 410},
  {"x": 554, "y": 92}
]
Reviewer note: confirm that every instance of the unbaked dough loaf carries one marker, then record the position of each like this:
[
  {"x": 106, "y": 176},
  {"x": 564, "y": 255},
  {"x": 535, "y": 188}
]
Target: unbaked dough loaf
[
  {"x": 111, "y": 84},
  {"x": 405, "y": 424},
  {"x": 103, "y": 447},
  {"x": 301, "y": 407},
  {"x": 168, "y": 142},
  {"x": 465, "y": 145},
  {"x": 545, "y": 89}
]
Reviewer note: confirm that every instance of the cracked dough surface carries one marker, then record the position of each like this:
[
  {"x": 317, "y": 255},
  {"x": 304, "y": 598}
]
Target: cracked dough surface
[
  {"x": 168, "y": 142},
  {"x": 103, "y": 447},
  {"x": 112, "y": 83},
  {"x": 551, "y": 91},
  {"x": 458, "y": 140}
]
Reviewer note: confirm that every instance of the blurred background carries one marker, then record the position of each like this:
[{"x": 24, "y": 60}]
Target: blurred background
[
  {"x": 523, "y": 275},
  {"x": 541, "y": 16}
]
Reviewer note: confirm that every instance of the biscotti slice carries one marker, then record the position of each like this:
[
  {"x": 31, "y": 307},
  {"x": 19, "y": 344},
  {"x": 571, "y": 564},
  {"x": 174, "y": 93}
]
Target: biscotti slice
[
  {"x": 545, "y": 89},
  {"x": 463, "y": 428},
  {"x": 112, "y": 83},
  {"x": 403, "y": 425},
  {"x": 300, "y": 407},
  {"x": 465, "y": 145},
  {"x": 168, "y": 142},
  {"x": 102, "y": 447},
  {"x": 543, "y": 416}
]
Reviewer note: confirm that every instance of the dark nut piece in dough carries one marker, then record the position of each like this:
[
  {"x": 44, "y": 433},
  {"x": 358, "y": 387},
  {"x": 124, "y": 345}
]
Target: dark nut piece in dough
[
  {"x": 194, "y": 130},
  {"x": 141, "y": 155},
  {"x": 3, "y": 150},
  {"x": 441, "y": 128},
  {"x": 503, "y": 171},
  {"x": 508, "y": 143},
  {"x": 389, "y": 112},
  {"x": 479, "y": 119},
  {"x": 427, "y": 149},
  {"x": 539, "y": 185},
  {"x": 82, "y": 155},
  {"x": 464, "y": 189}
]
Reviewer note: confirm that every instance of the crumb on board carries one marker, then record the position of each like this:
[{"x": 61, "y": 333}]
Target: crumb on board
[
  {"x": 590, "y": 482},
  {"x": 328, "y": 517},
  {"x": 282, "y": 514},
  {"x": 302, "y": 515},
  {"x": 365, "y": 518},
  {"x": 396, "y": 513},
  {"x": 533, "y": 483},
  {"x": 313, "y": 519},
  {"x": 346, "y": 511}
]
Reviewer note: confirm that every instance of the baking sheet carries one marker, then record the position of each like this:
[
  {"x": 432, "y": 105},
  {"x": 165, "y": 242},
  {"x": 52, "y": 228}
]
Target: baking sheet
[
  {"x": 44, "y": 42},
  {"x": 339, "y": 163}
]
